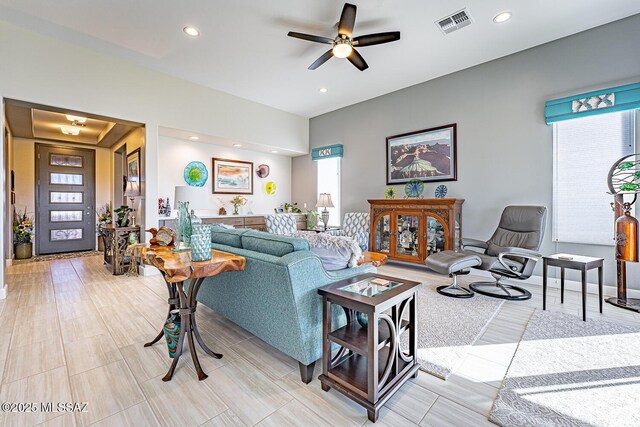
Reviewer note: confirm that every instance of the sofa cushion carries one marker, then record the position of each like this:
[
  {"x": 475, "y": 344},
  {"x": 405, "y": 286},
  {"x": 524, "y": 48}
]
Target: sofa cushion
[
  {"x": 272, "y": 244},
  {"x": 227, "y": 236}
]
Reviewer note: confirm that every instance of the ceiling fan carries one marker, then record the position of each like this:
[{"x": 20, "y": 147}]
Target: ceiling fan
[{"x": 343, "y": 45}]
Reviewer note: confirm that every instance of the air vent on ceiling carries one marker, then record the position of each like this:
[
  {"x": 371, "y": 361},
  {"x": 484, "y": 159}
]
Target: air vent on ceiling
[{"x": 454, "y": 21}]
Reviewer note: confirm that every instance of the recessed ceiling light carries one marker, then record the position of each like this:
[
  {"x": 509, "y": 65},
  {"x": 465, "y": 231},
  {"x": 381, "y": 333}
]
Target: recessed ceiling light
[
  {"x": 191, "y": 31},
  {"x": 323, "y": 90},
  {"x": 70, "y": 130},
  {"x": 502, "y": 17},
  {"x": 76, "y": 119},
  {"x": 195, "y": 138},
  {"x": 237, "y": 145},
  {"x": 274, "y": 151}
]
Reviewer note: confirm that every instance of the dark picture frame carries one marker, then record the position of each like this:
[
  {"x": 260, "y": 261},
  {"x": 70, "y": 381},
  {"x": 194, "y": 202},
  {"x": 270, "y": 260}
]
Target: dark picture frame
[
  {"x": 231, "y": 176},
  {"x": 429, "y": 155},
  {"x": 133, "y": 166}
]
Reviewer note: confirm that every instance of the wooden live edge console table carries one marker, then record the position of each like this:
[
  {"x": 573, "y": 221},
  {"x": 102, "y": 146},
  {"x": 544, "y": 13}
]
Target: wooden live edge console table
[
  {"x": 410, "y": 230},
  {"x": 176, "y": 269},
  {"x": 370, "y": 365}
]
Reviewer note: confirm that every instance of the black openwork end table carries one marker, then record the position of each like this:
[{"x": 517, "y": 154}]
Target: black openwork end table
[{"x": 370, "y": 364}]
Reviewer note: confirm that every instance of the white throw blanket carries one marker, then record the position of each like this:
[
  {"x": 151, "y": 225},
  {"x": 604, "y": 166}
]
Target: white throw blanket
[{"x": 336, "y": 252}]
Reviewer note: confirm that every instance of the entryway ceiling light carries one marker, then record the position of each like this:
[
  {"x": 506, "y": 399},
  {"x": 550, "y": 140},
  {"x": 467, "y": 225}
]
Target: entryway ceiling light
[
  {"x": 70, "y": 130},
  {"x": 76, "y": 119}
]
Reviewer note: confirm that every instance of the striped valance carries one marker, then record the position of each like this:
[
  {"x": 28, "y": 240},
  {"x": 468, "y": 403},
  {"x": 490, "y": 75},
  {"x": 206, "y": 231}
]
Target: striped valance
[{"x": 598, "y": 102}]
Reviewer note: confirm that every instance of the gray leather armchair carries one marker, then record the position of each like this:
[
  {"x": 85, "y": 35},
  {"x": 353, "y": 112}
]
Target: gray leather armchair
[{"x": 512, "y": 251}]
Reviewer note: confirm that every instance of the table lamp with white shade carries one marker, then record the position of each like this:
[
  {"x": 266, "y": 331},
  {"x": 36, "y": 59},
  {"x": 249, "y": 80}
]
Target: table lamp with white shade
[
  {"x": 324, "y": 201},
  {"x": 132, "y": 190},
  {"x": 196, "y": 196}
]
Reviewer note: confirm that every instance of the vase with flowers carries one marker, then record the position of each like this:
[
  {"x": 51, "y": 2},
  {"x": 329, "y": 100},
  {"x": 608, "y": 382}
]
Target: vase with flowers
[
  {"x": 22, "y": 231},
  {"x": 104, "y": 217},
  {"x": 237, "y": 202}
]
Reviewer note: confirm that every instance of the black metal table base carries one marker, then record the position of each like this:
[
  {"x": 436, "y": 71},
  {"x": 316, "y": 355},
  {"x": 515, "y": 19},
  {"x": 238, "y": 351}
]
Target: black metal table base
[
  {"x": 500, "y": 290},
  {"x": 186, "y": 306}
]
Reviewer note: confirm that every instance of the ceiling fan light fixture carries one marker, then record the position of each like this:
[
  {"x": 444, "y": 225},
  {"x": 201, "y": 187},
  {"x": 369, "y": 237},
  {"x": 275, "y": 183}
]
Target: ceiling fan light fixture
[
  {"x": 70, "y": 130},
  {"x": 342, "y": 49},
  {"x": 502, "y": 17}
]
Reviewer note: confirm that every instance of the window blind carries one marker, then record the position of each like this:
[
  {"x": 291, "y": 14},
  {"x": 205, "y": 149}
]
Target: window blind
[
  {"x": 584, "y": 150},
  {"x": 329, "y": 182}
]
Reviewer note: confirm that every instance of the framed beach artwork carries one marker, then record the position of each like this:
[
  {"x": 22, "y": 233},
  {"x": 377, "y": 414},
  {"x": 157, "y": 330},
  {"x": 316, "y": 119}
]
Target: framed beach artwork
[
  {"x": 133, "y": 166},
  {"x": 232, "y": 176},
  {"x": 428, "y": 155}
]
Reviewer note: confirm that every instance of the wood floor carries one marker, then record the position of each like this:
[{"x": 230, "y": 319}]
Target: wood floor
[{"x": 72, "y": 332}]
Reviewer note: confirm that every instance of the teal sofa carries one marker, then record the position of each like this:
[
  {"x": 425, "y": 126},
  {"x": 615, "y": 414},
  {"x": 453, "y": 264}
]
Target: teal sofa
[{"x": 275, "y": 297}]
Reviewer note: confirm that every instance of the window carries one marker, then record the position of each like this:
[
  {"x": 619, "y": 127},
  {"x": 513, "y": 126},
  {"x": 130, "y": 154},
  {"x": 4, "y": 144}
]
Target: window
[
  {"x": 584, "y": 151},
  {"x": 329, "y": 182}
]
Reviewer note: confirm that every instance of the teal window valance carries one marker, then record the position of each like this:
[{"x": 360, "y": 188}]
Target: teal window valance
[
  {"x": 327, "y": 152},
  {"x": 598, "y": 102}
]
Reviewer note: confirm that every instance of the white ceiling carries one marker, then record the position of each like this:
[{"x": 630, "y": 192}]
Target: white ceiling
[{"x": 244, "y": 49}]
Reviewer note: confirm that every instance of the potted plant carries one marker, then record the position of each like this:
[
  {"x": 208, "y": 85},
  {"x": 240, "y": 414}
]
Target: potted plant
[
  {"x": 237, "y": 202},
  {"x": 122, "y": 214},
  {"x": 104, "y": 218},
  {"x": 22, "y": 229}
]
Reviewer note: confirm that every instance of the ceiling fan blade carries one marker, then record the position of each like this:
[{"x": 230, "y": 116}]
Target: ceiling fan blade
[
  {"x": 324, "y": 58},
  {"x": 347, "y": 20},
  {"x": 379, "y": 38},
  {"x": 310, "y": 38},
  {"x": 356, "y": 59}
]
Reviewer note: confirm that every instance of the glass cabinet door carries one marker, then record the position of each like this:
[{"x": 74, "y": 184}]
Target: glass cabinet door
[
  {"x": 408, "y": 236},
  {"x": 436, "y": 236},
  {"x": 382, "y": 241}
]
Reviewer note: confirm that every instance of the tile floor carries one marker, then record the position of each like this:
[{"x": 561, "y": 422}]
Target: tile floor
[{"x": 73, "y": 332}]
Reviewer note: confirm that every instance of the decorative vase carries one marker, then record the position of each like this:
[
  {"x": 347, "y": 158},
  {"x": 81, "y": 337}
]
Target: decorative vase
[
  {"x": 100, "y": 243},
  {"x": 235, "y": 209},
  {"x": 627, "y": 236},
  {"x": 23, "y": 250},
  {"x": 200, "y": 247},
  {"x": 172, "y": 332},
  {"x": 184, "y": 223},
  {"x": 362, "y": 319}
]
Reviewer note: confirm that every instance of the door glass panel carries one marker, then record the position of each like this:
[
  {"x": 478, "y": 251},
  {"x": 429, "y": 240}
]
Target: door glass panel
[
  {"x": 407, "y": 240},
  {"x": 65, "y": 178},
  {"x": 435, "y": 236},
  {"x": 65, "y": 197},
  {"x": 62, "y": 160},
  {"x": 64, "y": 216},
  {"x": 69, "y": 234},
  {"x": 383, "y": 234}
]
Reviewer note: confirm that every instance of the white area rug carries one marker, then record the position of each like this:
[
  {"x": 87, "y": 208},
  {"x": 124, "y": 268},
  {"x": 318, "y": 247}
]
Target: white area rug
[
  {"x": 448, "y": 327},
  {"x": 567, "y": 372}
]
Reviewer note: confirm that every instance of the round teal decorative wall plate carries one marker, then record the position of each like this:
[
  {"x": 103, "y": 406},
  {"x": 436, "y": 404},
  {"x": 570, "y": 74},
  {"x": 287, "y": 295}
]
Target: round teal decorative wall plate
[
  {"x": 414, "y": 188},
  {"x": 195, "y": 174},
  {"x": 441, "y": 191}
]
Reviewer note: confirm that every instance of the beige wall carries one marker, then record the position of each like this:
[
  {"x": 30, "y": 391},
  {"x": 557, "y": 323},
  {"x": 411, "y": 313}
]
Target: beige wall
[
  {"x": 132, "y": 141},
  {"x": 24, "y": 167}
]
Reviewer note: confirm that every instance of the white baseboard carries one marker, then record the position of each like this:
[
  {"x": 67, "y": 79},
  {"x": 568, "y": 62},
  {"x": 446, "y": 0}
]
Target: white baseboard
[
  {"x": 8, "y": 262},
  {"x": 3, "y": 292}
]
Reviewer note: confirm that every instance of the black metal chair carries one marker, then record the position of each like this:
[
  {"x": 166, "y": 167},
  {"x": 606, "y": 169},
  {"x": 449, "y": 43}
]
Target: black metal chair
[{"x": 512, "y": 251}]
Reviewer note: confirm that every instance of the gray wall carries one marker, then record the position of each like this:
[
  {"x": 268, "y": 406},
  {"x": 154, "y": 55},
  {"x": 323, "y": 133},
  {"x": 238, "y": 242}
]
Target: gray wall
[{"x": 504, "y": 146}]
